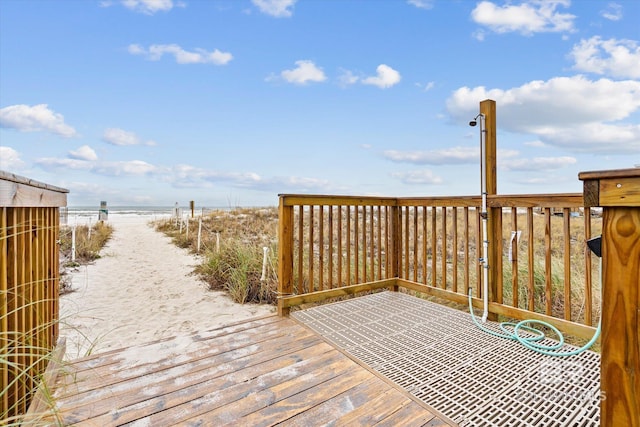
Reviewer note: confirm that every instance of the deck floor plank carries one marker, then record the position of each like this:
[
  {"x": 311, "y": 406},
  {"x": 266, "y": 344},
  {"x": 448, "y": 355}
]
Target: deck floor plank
[{"x": 259, "y": 372}]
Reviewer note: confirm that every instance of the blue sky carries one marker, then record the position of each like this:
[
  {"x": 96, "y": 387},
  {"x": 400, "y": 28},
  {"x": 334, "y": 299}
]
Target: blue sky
[{"x": 229, "y": 103}]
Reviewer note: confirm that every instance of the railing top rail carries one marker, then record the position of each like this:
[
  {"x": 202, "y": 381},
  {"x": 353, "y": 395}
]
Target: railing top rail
[{"x": 560, "y": 200}]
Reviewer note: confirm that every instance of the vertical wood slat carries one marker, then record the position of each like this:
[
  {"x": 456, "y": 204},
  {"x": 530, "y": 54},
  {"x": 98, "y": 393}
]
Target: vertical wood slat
[
  {"x": 434, "y": 249},
  {"x": 406, "y": 238},
  {"x": 514, "y": 258},
  {"x": 364, "y": 244},
  {"x": 588, "y": 297},
  {"x": 530, "y": 262},
  {"x": 566, "y": 216},
  {"x": 4, "y": 303},
  {"x": 547, "y": 262},
  {"x": 348, "y": 244},
  {"x": 466, "y": 250},
  {"x": 340, "y": 249},
  {"x": 331, "y": 246},
  {"x": 454, "y": 249},
  {"x": 444, "y": 247},
  {"x": 479, "y": 275},
  {"x": 372, "y": 268},
  {"x": 424, "y": 245},
  {"x": 380, "y": 242},
  {"x": 415, "y": 243},
  {"x": 310, "y": 227},
  {"x": 356, "y": 240},
  {"x": 320, "y": 247},
  {"x": 300, "y": 249}
]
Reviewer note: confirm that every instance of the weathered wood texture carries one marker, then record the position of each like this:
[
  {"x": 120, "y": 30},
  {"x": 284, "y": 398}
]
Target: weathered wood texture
[
  {"x": 29, "y": 275},
  {"x": 619, "y": 193},
  {"x": 260, "y": 372},
  {"x": 18, "y": 191}
]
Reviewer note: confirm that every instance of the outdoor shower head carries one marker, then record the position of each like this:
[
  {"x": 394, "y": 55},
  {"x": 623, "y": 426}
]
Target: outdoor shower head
[{"x": 474, "y": 122}]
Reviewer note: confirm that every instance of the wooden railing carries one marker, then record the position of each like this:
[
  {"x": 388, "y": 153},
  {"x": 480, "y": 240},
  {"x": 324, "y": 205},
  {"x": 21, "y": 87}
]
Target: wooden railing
[
  {"x": 29, "y": 275},
  {"x": 337, "y": 245}
]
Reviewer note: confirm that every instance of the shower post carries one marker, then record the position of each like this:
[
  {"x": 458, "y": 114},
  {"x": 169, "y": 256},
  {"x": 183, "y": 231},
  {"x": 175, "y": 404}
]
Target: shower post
[
  {"x": 618, "y": 193},
  {"x": 494, "y": 220}
]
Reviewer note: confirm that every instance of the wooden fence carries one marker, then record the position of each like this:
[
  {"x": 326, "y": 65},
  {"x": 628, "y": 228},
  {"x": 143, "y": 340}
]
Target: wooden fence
[
  {"x": 540, "y": 264},
  {"x": 29, "y": 275}
]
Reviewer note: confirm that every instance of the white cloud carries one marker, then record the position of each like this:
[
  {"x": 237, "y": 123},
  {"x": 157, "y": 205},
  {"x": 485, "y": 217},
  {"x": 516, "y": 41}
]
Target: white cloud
[
  {"x": 305, "y": 72},
  {"x": 131, "y": 167},
  {"x": 148, "y": 7},
  {"x": 417, "y": 177},
  {"x": 197, "y": 56},
  {"x": 83, "y": 153},
  {"x": 347, "y": 78},
  {"x": 572, "y": 112},
  {"x": 538, "y": 163},
  {"x": 38, "y": 118},
  {"x": 54, "y": 164},
  {"x": 10, "y": 159},
  {"x": 613, "y": 13},
  {"x": 618, "y": 58},
  {"x": 527, "y": 18},
  {"x": 277, "y": 8},
  {"x": 455, "y": 155},
  {"x": 122, "y": 137},
  {"x": 426, "y": 86},
  {"x": 421, "y": 4},
  {"x": 385, "y": 78}
]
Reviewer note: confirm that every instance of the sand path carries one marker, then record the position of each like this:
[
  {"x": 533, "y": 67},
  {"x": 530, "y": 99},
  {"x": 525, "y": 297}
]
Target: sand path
[{"x": 141, "y": 290}]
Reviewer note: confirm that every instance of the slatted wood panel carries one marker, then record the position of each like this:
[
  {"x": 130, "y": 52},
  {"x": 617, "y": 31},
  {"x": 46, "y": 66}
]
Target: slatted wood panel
[
  {"x": 29, "y": 275},
  {"x": 263, "y": 371}
]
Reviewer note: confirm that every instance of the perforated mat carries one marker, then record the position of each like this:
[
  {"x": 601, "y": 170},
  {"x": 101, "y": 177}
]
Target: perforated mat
[{"x": 437, "y": 354}]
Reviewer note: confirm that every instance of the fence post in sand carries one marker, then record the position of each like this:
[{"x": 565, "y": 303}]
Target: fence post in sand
[
  {"x": 199, "y": 233},
  {"x": 73, "y": 243},
  {"x": 187, "y": 233},
  {"x": 192, "y": 205},
  {"x": 618, "y": 193}
]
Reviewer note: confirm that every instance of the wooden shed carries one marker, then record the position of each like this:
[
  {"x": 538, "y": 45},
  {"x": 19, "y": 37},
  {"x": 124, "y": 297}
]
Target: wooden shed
[{"x": 29, "y": 280}]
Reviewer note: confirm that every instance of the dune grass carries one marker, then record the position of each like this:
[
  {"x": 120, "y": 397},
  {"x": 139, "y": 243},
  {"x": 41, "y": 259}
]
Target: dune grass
[{"x": 232, "y": 251}]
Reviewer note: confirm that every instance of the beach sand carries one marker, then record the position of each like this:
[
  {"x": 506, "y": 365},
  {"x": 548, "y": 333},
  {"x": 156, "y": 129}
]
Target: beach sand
[{"x": 141, "y": 290}]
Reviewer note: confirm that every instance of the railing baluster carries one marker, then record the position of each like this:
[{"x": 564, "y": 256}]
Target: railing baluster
[
  {"x": 415, "y": 243},
  {"x": 331, "y": 240},
  {"x": 434, "y": 248},
  {"x": 588, "y": 299},
  {"x": 311, "y": 251},
  {"x": 444, "y": 247},
  {"x": 547, "y": 262},
  {"x": 566, "y": 216},
  {"x": 466, "y": 250},
  {"x": 320, "y": 247},
  {"x": 424, "y": 245},
  {"x": 348, "y": 243},
  {"x": 340, "y": 280},
  {"x": 514, "y": 258},
  {"x": 454, "y": 249},
  {"x": 531, "y": 264},
  {"x": 300, "y": 249}
]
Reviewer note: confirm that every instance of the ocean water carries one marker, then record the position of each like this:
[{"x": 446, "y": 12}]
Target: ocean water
[{"x": 81, "y": 215}]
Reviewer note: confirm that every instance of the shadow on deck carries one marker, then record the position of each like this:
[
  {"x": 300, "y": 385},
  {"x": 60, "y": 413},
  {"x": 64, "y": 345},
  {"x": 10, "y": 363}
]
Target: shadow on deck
[
  {"x": 411, "y": 362},
  {"x": 265, "y": 371}
]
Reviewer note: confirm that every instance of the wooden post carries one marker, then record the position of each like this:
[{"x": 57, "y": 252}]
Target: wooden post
[
  {"x": 618, "y": 192},
  {"x": 192, "y": 205},
  {"x": 285, "y": 254},
  {"x": 494, "y": 221}
]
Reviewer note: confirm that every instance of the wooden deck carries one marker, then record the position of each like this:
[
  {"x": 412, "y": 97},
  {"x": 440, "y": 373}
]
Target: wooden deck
[{"x": 262, "y": 372}]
